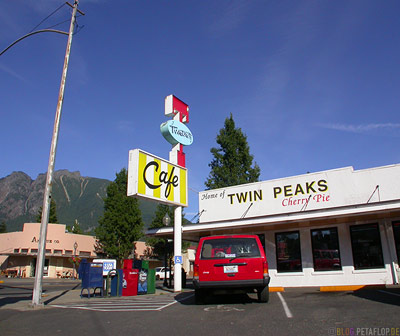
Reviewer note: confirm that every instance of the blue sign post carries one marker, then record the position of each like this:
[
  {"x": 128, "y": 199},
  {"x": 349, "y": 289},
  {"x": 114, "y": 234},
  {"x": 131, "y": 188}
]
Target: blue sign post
[{"x": 178, "y": 260}]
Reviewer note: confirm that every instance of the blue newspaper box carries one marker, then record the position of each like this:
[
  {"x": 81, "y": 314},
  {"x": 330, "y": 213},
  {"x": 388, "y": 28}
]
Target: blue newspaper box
[
  {"x": 142, "y": 282},
  {"x": 116, "y": 283},
  {"x": 92, "y": 277}
]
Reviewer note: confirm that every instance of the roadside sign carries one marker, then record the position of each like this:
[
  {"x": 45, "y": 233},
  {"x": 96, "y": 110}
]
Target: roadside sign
[
  {"x": 157, "y": 179},
  {"x": 178, "y": 260}
]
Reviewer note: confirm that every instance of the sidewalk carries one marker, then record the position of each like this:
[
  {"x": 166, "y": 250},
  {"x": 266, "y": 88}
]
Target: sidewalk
[{"x": 23, "y": 302}]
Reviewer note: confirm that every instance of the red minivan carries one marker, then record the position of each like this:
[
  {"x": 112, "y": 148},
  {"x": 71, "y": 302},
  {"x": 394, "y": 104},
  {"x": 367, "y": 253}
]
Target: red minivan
[{"x": 230, "y": 264}]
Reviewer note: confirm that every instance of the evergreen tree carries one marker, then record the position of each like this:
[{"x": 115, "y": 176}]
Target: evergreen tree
[
  {"x": 3, "y": 227},
  {"x": 232, "y": 162},
  {"x": 121, "y": 223},
  {"x": 77, "y": 228},
  {"x": 52, "y": 215}
]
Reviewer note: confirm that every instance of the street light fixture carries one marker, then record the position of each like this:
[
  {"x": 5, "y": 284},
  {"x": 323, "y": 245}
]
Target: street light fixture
[
  {"x": 75, "y": 247},
  {"x": 166, "y": 221}
]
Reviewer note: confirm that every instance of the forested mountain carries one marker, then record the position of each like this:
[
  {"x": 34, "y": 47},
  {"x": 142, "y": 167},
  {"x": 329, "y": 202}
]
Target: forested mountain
[{"x": 77, "y": 198}]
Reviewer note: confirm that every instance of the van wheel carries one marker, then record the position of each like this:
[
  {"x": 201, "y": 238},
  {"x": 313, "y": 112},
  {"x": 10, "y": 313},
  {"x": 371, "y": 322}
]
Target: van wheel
[
  {"x": 157, "y": 277},
  {"x": 199, "y": 296},
  {"x": 263, "y": 294}
]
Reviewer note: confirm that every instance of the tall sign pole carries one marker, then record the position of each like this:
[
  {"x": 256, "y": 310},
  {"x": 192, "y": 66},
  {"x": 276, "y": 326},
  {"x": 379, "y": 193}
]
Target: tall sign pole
[
  {"x": 180, "y": 112},
  {"x": 37, "y": 289}
]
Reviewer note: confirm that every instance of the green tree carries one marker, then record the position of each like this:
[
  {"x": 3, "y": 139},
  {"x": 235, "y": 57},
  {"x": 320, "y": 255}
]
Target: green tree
[
  {"x": 232, "y": 163},
  {"x": 3, "y": 227},
  {"x": 77, "y": 228},
  {"x": 121, "y": 224},
  {"x": 52, "y": 215}
]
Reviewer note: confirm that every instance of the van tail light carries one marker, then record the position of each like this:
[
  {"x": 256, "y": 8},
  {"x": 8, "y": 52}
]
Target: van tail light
[
  {"x": 196, "y": 272},
  {"x": 265, "y": 269}
]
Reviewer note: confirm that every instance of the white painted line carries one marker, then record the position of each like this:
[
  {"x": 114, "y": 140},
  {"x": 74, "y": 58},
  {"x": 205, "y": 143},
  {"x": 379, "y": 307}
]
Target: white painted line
[
  {"x": 285, "y": 306},
  {"x": 382, "y": 291},
  {"x": 124, "y": 305}
]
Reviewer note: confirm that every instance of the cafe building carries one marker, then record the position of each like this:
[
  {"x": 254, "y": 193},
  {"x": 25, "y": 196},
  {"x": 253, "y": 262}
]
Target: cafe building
[
  {"x": 18, "y": 251},
  {"x": 333, "y": 228}
]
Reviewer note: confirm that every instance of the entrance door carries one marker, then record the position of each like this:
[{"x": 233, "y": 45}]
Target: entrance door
[
  {"x": 33, "y": 268},
  {"x": 45, "y": 269}
]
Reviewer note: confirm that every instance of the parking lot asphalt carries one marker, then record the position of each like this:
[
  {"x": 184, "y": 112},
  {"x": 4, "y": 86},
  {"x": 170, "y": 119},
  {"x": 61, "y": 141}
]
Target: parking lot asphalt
[
  {"x": 67, "y": 292},
  {"x": 295, "y": 311}
]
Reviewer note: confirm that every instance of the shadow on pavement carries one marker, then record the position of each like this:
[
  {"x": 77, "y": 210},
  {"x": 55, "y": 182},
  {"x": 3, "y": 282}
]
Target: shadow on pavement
[
  {"x": 387, "y": 296},
  {"x": 187, "y": 298},
  {"x": 60, "y": 295},
  {"x": 15, "y": 299}
]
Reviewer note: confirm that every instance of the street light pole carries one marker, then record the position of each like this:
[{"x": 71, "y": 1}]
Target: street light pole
[
  {"x": 166, "y": 220},
  {"x": 37, "y": 289},
  {"x": 75, "y": 247}
]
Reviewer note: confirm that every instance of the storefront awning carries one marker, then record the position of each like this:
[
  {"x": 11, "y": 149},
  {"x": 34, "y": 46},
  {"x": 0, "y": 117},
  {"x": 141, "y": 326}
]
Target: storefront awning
[{"x": 355, "y": 213}]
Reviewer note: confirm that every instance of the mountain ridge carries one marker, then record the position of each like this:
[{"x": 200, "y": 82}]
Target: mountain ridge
[{"x": 78, "y": 198}]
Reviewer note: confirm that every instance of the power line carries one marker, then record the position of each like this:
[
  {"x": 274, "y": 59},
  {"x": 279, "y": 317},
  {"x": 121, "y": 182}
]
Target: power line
[{"x": 47, "y": 17}]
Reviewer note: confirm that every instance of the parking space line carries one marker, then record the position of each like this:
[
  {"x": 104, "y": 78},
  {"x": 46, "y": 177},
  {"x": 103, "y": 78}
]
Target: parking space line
[
  {"x": 121, "y": 305},
  {"x": 285, "y": 306},
  {"x": 382, "y": 291}
]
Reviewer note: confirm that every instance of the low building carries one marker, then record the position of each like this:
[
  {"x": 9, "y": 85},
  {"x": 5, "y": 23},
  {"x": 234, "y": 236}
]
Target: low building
[
  {"x": 337, "y": 227},
  {"x": 18, "y": 251}
]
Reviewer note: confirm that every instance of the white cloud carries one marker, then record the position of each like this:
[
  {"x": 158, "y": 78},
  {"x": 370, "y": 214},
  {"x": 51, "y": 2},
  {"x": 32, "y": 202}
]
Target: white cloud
[
  {"x": 12, "y": 73},
  {"x": 363, "y": 128}
]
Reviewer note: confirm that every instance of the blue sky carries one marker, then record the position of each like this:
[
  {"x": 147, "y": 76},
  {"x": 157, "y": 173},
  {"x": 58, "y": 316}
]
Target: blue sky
[{"x": 313, "y": 84}]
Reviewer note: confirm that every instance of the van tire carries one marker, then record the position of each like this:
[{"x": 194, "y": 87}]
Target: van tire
[
  {"x": 263, "y": 294},
  {"x": 199, "y": 296}
]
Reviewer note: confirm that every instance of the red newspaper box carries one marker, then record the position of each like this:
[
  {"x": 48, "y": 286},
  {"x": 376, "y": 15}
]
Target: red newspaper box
[
  {"x": 130, "y": 282},
  {"x": 128, "y": 264}
]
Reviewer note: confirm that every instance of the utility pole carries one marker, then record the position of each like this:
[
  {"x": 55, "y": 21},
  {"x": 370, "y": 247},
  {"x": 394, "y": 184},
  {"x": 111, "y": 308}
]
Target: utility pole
[{"x": 37, "y": 289}]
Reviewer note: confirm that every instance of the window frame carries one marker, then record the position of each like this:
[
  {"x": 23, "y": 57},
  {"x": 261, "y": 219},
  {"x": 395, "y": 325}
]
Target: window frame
[
  {"x": 396, "y": 242},
  {"x": 353, "y": 247},
  {"x": 276, "y": 252},
  {"x": 334, "y": 228}
]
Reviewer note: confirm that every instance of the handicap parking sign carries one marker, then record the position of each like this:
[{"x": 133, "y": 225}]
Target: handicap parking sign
[{"x": 178, "y": 260}]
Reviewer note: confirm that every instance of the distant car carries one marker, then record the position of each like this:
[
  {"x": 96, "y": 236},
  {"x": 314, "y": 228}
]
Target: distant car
[
  {"x": 230, "y": 264},
  {"x": 160, "y": 273}
]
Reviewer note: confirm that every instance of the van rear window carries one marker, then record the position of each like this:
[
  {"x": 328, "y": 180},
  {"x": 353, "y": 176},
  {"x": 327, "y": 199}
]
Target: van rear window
[{"x": 230, "y": 248}]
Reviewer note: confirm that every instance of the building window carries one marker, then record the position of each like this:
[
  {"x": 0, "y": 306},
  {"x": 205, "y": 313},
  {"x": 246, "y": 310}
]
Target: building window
[
  {"x": 34, "y": 250},
  {"x": 59, "y": 252},
  {"x": 25, "y": 250},
  {"x": 48, "y": 251},
  {"x": 366, "y": 246},
  {"x": 16, "y": 250},
  {"x": 84, "y": 254},
  {"x": 68, "y": 252},
  {"x": 325, "y": 248},
  {"x": 288, "y": 256},
  {"x": 396, "y": 232}
]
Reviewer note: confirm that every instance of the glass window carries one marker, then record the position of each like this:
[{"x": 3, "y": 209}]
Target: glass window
[
  {"x": 230, "y": 248},
  {"x": 325, "y": 246},
  {"x": 396, "y": 232},
  {"x": 84, "y": 254},
  {"x": 366, "y": 246},
  {"x": 288, "y": 256}
]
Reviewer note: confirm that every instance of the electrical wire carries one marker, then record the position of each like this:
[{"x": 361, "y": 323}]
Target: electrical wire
[{"x": 48, "y": 17}]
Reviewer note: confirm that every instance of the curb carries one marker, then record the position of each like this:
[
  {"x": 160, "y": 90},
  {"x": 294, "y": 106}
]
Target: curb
[{"x": 349, "y": 288}]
